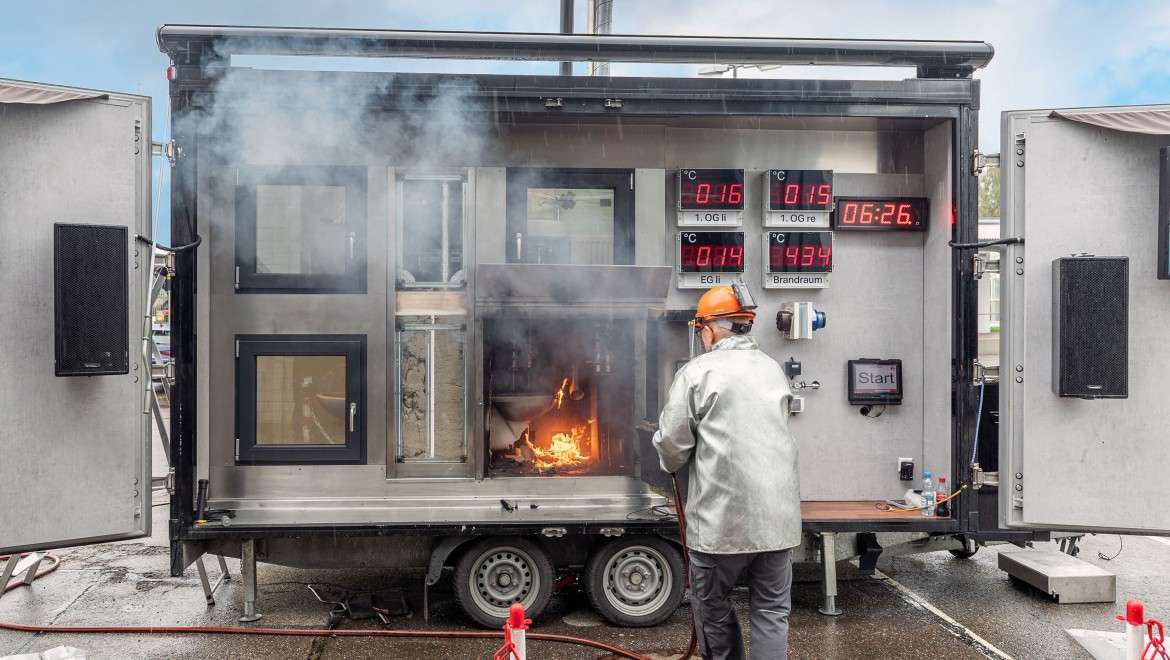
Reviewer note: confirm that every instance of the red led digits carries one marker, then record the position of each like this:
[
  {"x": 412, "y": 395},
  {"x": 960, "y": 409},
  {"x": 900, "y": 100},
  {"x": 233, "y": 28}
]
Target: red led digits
[
  {"x": 703, "y": 258},
  {"x": 719, "y": 256},
  {"x": 806, "y": 256},
  {"x": 704, "y": 193},
  {"x": 848, "y": 213},
  {"x": 881, "y": 214},
  {"x": 904, "y": 214},
  {"x": 800, "y": 190},
  {"x": 712, "y": 189},
  {"x": 736, "y": 196},
  {"x": 800, "y": 252},
  {"x": 710, "y": 252}
]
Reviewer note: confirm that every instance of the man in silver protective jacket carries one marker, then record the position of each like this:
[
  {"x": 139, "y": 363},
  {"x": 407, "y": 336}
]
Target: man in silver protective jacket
[{"x": 727, "y": 416}]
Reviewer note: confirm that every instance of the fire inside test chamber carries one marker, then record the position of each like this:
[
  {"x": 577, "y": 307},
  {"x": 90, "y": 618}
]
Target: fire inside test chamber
[{"x": 559, "y": 392}]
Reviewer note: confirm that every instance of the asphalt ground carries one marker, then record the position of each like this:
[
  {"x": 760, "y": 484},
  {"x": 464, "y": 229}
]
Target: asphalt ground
[
  {"x": 921, "y": 606},
  {"x": 918, "y": 607}
]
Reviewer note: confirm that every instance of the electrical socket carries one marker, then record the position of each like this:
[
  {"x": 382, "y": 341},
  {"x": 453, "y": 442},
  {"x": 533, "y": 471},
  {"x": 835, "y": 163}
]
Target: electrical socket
[{"x": 906, "y": 469}]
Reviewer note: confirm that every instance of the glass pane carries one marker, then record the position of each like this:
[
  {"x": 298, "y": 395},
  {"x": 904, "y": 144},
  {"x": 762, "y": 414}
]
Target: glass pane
[
  {"x": 432, "y": 381},
  {"x": 301, "y": 230},
  {"x": 431, "y": 231},
  {"x": 570, "y": 226},
  {"x": 300, "y": 400},
  {"x": 413, "y": 423},
  {"x": 449, "y": 405}
]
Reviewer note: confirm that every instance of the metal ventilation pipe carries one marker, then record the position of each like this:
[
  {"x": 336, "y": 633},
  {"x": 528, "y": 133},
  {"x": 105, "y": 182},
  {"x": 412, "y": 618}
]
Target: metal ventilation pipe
[
  {"x": 566, "y": 28},
  {"x": 602, "y": 23}
]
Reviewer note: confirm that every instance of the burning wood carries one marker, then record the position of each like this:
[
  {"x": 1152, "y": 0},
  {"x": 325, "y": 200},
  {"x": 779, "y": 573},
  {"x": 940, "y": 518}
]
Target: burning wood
[{"x": 564, "y": 451}]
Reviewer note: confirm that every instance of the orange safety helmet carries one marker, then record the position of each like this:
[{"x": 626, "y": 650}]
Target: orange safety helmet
[{"x": 722, "y": 301}]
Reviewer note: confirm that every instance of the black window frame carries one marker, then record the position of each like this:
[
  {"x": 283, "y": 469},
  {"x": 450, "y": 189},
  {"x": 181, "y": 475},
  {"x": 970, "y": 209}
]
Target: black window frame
[
  {"x": 521, "y": 179},
  {"x": 353, "y": 179},
  {"x": 352, "y": 347}
]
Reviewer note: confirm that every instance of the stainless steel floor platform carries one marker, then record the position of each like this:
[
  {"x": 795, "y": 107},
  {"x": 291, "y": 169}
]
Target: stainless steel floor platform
[{"x": 1067, "y": 578}]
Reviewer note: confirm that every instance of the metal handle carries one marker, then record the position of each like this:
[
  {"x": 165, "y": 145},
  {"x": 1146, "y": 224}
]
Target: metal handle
[
  {"x": 519, "y": 242},
  {"x": 352, "y": 414},
  {"x": 352, "y": 237}
]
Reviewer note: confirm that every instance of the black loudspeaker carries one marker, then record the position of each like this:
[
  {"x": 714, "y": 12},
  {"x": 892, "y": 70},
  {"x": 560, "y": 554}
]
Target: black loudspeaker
[
  {"x": 91, "y": 299},
  {"x": 1090, "y": 327}
]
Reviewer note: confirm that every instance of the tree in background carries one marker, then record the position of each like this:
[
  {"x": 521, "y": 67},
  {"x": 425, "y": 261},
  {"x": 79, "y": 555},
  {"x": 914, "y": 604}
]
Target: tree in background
[{"x": 989, "y": 193}]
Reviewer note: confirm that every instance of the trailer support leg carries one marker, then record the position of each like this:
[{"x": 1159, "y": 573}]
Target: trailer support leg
[
  {"x": 208, "y": 588},
  {"x": 829, "y": 575},
  {"x": 248, "y": 575}
]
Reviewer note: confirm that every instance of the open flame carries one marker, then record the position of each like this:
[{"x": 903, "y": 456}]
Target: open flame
[
  {"x": 564, "y": 450},
  {"x": 560, "y": 396}
]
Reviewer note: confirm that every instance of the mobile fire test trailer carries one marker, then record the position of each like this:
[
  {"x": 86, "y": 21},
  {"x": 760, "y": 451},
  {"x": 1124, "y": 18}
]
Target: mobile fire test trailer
[{"x": 416, "y": 318}]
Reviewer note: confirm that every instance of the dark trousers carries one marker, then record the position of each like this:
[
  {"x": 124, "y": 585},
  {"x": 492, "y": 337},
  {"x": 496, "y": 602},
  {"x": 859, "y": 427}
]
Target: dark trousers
[{"x": 769, "y": 578}]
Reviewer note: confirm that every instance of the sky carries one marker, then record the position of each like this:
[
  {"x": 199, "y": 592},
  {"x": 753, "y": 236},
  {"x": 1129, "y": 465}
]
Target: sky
[{"x": 1048, "y": 53}]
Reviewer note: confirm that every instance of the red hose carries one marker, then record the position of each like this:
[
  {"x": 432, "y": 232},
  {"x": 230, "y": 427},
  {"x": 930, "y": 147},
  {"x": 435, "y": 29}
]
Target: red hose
[
  {"x": 56, "y": 562},
  {"x": 682, "y": 533},
  {"x": 297, "y": 632}
]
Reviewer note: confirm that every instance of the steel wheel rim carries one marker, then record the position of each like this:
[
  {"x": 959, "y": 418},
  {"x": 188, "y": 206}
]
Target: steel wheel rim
[
  {"x": 637, "y": 581},
  {"x": 502, "y": 576}
]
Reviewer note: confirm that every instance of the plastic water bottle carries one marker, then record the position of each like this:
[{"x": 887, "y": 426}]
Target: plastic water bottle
[
  {"x": 943, "y": 510},
  {"x": 928, "y": 498}
]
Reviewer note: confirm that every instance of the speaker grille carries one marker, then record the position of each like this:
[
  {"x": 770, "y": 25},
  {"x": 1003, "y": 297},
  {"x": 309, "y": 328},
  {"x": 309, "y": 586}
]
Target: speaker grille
[
  {"x": 91, "y": 299},
  {"x": 1091, "y": 327}
]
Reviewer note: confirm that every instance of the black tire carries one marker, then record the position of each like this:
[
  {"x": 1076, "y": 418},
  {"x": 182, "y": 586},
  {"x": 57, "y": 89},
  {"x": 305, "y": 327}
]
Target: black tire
[
  {"x": 635, "y": 582},
  {"x": 493, "y": 573},
  {"x": 964, "y": 554}
]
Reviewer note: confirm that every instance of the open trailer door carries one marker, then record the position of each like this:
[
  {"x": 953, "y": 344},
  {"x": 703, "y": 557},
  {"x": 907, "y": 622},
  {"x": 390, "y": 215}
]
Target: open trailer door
[
  {"x": 1085, "y": 332},
  {"x": 74, "y": 192}
]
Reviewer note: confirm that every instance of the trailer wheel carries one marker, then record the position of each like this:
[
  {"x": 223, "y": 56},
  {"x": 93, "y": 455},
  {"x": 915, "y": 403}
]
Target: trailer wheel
[
  {"x": 635, "y": 582},
  {"x": 495, "y": 572}
]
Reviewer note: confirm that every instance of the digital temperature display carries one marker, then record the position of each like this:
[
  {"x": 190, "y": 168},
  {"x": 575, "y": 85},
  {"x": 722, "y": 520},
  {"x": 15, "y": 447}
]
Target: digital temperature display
[
  {"x": 710, "y": 252},
  {"x": 800, "y": 251},
  {"x": 700, "y": 190},
  {"x": 800, "y": 190},
  {"x": 881, "y": 213}
]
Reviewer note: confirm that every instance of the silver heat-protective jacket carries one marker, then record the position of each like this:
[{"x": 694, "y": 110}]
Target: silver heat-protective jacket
[{"x": 727, "y": 416}]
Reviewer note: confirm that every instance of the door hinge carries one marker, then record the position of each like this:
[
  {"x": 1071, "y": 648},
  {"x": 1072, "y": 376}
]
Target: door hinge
[
  {"x": 631, "y": 180},
  {"x": 237, "y": 349},
  {"x": 980, "y": 160},
  {"x": 981, "y": 373},
  {"x": 981, "y": 265},
  {"x": 237, "y": 449},
  {"x": 979, "y": 478},
  {"x": 172, "y": 152},
  {"x": 237, "y": 277}
]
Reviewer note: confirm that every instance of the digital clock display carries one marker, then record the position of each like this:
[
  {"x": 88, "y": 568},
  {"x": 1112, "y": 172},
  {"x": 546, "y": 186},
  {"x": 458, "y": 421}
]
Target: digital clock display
[
  {"x": 881, "y": 213},
  {"x": 800, "y": 190},
  {"x": 710, "y": 189},
  {"x": 800, "y": 251},
  {"x": 710, "y": 252}
]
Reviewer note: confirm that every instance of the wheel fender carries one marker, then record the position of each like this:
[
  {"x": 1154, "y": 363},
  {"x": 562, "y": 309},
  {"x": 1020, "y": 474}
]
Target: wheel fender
[{"x": 441, "y": 550}]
